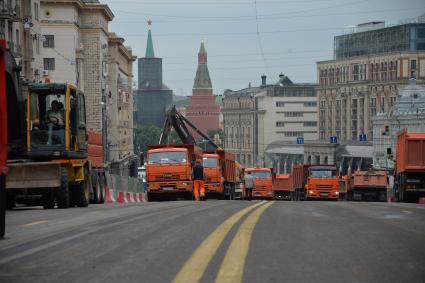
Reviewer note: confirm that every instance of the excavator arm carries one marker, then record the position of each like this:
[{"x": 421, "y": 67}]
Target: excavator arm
[{"x": 181, "y": 125}]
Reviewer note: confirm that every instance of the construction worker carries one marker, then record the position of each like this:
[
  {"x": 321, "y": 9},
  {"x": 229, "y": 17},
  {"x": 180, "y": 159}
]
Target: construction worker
[
  {"x": 249, "y": 184},
  {"x": 198, "y": 181}
]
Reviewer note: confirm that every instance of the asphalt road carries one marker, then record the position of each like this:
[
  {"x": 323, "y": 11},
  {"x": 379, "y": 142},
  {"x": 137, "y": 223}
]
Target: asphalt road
[{"x": 216, "y": 241}]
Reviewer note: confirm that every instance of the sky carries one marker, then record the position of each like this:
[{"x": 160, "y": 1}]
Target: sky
[{"x": 246, "y": 38}]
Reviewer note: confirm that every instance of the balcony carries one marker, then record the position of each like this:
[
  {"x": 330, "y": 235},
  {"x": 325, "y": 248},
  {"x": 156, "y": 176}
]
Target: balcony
[{"x": 9, "y": 12}]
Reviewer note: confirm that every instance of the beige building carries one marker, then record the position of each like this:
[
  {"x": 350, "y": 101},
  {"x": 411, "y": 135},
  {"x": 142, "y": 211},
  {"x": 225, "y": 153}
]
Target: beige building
[
  {"x": 20, "y": 26},
  {"x": 371, "y": 63},
  {"x": 78, "y": 48},
  {"x": 120, "y": 104},
  {"x": 257, "y": 117}
]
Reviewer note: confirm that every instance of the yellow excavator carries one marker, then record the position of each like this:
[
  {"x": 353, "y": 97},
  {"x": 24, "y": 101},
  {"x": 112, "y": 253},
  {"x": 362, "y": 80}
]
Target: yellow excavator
[{"x": 54, "y": 164}]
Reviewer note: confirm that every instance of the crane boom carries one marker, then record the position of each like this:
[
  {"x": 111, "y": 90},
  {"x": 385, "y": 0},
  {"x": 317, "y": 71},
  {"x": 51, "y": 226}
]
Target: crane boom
[{"x": 181, "y": 125}]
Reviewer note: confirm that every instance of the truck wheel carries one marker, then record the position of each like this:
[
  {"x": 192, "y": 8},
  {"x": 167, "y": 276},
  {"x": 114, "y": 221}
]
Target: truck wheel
[
  {"x": 2, "y": 205},
  {"x": 62, "y": 194},
  {"x": 48, "y": 199},
  {"x": 10, "y": 201},
  {"x": 97, "y": 191},
  {"x": 102, "y": 189},
  {"x": 83, "y": 192}
]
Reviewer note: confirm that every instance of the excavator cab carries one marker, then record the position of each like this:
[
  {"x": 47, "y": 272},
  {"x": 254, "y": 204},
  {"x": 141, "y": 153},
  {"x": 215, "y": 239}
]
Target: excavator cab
[{"x": 56, "y": 122}]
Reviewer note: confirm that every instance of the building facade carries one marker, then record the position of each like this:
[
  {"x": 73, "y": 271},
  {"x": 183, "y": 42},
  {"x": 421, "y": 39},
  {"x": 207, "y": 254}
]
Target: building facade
[
  {"x": 153, "y": 98},
  {"x": 20, "y": 26},
  {"x": 203, "y": 110},
  {"x": 407, "y": 113},
  {"x": 256, "y": 117},
  {"x": 78, "y": 48},
  {"x": 120, "y": 105},
  {"x": 370, "y": 65}
]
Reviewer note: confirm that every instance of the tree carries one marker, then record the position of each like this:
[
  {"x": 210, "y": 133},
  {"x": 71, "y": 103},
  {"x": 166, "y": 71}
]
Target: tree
[
  {"x": 144, "y": 135},
  {"x": 212, "y": 133}
]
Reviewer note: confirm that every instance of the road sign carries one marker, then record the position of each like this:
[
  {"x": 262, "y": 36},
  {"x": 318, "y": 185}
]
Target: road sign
[
  {"x": 334, "y": 140},
  {"x": 300, "y": 140},
  {"x": 362, "y": 137}
]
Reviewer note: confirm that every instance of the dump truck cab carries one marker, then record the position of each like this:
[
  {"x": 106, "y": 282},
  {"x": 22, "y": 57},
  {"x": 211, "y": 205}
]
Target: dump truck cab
[
  {"x": 212, "y": 174},
  {"x": 169, "y": 170},
  {"x": 322, "y": 182},
  {"x": 263, "y": 182}
]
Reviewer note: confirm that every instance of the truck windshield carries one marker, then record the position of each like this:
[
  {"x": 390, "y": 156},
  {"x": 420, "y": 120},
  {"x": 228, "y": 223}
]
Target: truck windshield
[
  {"x": 174, "y": 157},
  {"x": 322, "y": 173},
  {"x": 47, "y": 123},
  {"x": 261, "y": 174},
  {"x": 209, "y": 162}
]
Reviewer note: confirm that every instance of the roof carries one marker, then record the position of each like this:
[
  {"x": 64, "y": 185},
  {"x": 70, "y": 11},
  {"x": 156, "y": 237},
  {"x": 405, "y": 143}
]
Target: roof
[
  {"x": 149, "y": 46},
  {"x": 202, "y": 78}
]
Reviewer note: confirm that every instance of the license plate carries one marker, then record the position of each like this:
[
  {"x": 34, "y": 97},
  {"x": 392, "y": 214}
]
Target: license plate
[
  {"x": 167, "y": 188},
  {"x": 323, "y": 194},
  {"x": 258, "y": 194}
]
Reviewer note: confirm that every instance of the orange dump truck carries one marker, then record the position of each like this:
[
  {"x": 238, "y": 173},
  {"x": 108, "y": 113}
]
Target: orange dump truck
[
  {"x": 410, "y": 166},
  {"x": 283, "y": 187},
  {"x": 220, "y": 174},
  {"x": 299, "y": 179},
  {"x": 263, "y": 182},
  {"x": 322, "y": 182},
  {"x": 169, "y": 170},
  {"x": 367, "y": 185}
]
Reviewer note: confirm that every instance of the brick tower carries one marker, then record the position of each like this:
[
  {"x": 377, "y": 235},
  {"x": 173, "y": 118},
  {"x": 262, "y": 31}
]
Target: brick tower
[{"x": 203, "y": 110}]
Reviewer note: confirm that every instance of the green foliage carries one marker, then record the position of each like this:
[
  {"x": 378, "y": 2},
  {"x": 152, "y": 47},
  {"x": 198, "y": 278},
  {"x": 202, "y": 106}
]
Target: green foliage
[
  {"x": 212, "y": 133},
  {"x": 144, "y": 135}
]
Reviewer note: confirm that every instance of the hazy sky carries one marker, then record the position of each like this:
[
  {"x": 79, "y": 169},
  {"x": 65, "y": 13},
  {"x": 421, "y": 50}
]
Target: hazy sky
[{"x": 292, "y": 35}]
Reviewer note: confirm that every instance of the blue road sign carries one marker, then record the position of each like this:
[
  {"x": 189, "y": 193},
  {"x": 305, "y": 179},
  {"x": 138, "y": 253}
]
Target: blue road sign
[
  {"x": 334, "y": 140},
  {"x": 362, "y": 137},
  {"x": 300, "y": 140}
]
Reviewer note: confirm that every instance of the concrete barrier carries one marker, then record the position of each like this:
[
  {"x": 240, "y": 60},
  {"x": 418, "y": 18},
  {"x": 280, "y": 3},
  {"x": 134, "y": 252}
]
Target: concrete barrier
[{"x": 124, "y": 189}]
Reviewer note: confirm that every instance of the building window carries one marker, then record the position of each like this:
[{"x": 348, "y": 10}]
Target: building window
[
  {"x": 49, "y": 64},
  {"x": 36, "y": 11},
  {"x": 294, "y": 114},
  {"x": 280, "y": 124},
  {"x": 310, "y": 104},
  {"x": 413, "y": 69},
  {"x": 372, "y": 106},
  {"x": 356, "y": 72},
  {"x": 310, "y": 124},
  {"x": 49, "y": 41},
  {"x": 392, "y": 100},
  {"x": 280, "y": 104},
  {"x": 382, "y": 104}
]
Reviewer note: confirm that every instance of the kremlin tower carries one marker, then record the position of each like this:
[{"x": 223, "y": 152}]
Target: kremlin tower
[{"x": 203, "y": 110}]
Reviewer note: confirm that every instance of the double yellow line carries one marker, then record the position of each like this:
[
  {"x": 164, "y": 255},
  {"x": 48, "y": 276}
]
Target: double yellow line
[{"x": 231, "y": 269}]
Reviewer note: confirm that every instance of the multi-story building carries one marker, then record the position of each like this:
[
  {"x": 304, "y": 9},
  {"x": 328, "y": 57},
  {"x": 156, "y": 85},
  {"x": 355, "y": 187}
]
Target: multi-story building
[
  {"x": 256, "y": 117},
  {"x": 370, "y": 65},
  {"x": 407, "y": 113},
  {"x": 120, "y": 105},
  {"x": 78, "y": 48},
  {"x": 20, "y": 26}
]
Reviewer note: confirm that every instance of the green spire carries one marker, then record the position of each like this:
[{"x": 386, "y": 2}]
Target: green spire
[
  {"x": 149, "y": 46},
  {"x": 202, "y": 79},
  {"x": 202, "y": 48}
]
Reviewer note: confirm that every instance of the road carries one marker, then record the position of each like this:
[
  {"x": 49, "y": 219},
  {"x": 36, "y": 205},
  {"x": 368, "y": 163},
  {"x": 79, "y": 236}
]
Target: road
[{"x": 216, "y": 241}]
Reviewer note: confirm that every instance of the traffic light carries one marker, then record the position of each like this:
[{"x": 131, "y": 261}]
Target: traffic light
[{"x": 386, "y": 131}]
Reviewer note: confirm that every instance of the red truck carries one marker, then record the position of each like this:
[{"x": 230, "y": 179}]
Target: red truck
[
  {"x": 3, "y": 136},
  {"x": 169, "y": 170},
  {"x": 410, "y": 166},
  {"x": 220, "y": 174},
  {"x": 263, "y": 182},
  {"x": 367, "y": 186},
  {"x": 283, "y": 187}
]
